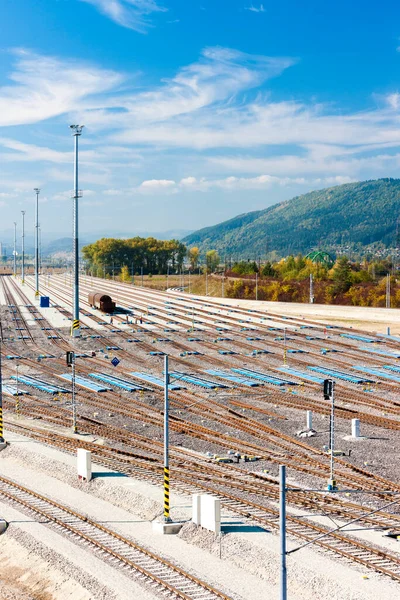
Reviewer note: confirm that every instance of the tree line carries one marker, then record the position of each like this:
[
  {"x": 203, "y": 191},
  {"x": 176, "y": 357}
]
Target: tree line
[
  {"x": 154, "y": 256},
  {"x": 288, "y": 280}
]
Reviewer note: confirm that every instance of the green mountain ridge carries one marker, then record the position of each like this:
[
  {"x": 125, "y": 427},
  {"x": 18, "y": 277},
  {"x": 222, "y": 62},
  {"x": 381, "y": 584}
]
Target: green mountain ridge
[{"x": 356, "y": 214}]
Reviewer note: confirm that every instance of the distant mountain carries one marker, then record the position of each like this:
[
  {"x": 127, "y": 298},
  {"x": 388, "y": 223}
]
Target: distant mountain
[{"x": 355, "y": 213}]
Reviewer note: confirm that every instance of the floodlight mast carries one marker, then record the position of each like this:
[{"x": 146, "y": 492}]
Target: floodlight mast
[
  {"x": 37, "y": 192},
  {"x": 76, "y": 132},
  {"x": 23, "y": 247},
  {"x": 15, "y": 249}
]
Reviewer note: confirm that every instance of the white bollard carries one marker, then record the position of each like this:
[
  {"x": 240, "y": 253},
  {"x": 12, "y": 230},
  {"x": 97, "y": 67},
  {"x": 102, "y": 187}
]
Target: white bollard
[
  {"x": 211, "y": 513},
  {"x": 196, "y": 509},
  {"x": 355, "y": 428},
  {"x": 84, "y": 463},
  {"x": 309, "y": 419}
]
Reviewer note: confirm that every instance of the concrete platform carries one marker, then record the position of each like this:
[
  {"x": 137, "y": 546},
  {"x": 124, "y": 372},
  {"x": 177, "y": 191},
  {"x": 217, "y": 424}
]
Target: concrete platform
[
  {"x": 166, "y": 528},
  {"x": 3, "y": 526}
]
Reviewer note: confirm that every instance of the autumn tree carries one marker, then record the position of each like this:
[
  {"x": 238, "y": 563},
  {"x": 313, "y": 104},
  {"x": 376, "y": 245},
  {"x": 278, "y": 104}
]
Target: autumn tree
[
  {"x": 212, "y": 260},
  {"x": 193, "y": 256},
  {"x": 125, "y": 276}
]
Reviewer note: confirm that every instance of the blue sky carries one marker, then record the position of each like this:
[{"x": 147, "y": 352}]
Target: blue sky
[{"x": 194, "y": 111}]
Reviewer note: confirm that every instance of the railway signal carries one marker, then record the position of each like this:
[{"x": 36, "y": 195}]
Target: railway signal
[
  {"x": 329, "y": 394},
  {"x": 70, "y": 358}
]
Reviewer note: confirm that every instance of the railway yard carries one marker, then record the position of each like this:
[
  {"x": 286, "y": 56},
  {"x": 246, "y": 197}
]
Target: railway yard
[{"x": 242, "y": 380}]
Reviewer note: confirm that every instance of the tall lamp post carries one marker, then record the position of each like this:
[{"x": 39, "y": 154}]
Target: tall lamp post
[
  {"x": 15, "y": 249},
  {"x": 76, "y": 132},
  {"x": 37, "y": 192},
  {"x": 23, "y": 247}
]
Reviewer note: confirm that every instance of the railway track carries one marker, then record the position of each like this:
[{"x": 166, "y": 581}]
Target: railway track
[
  {"x": 162, "y": 574},
  {"x": 230, "y": 483},
  {"x": 341, "y": 544}
]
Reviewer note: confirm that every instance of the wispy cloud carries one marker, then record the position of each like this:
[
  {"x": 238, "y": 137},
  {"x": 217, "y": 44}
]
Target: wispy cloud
[
  {"x": 214, "y": 120},
  {"x": 217, "y": 77},
  {"x": 259, "y": 9},
  {"x": 160, "y": 187},
  {"x": 132, "y": 14},
  {"x": 44, "y": 87}
]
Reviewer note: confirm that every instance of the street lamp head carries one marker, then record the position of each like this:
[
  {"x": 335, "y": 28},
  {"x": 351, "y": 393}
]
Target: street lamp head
[
  {"x": 37, "y": 190},
  {"x": 77, "y": 129}
]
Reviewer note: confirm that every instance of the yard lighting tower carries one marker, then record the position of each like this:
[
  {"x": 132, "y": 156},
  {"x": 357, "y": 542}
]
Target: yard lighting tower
[
  {"x": 23, "y": 247},
  {"x": 37, "y": 192},
  {"x": 76, "y": 132},
  {"x": 15, "y": 249}
]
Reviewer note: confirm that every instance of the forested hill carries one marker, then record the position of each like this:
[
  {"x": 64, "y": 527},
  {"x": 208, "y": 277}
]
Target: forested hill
[{"x": 355, "y": 213}]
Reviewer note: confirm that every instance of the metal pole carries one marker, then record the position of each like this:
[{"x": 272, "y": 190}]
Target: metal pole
[
  {"x": 332, "y": 437},
  {"x": 23, "y": 247},
  {"x": 167, "y": 518},
  {"x": 311, "y": 289},
  {"x": 77, "y": 132},
  {"x": 15, "y": 249},
  {"x": 388, "y": 291},
  {"x": 282, "y": 530},
  {"x": 74, "y": 427},
  {"x": 17, "y": 398},
  {"x": 284, "y": 346},
  {"x": 1, "y": 392},
  {"x": 256, "y": 286},
  {"x": 37, "y": 191},
  {"x": 40, "y": 250}
]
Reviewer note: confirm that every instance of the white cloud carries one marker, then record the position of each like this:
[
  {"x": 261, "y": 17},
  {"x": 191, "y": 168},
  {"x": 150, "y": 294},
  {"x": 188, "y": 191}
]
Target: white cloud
[
  {"x": 210, "y": 120},
  {"x": 216, "y": 77},
  {"x": 29, "y": 152},
  {"x": 227, "y": 184},
  {"x": 131, "y": 14},
  {"x": 45, "y": 87},
  {"x": 156, "y": 185},
  {"x": 256, "y": 9},
  {"x": 393, "y": 100}
]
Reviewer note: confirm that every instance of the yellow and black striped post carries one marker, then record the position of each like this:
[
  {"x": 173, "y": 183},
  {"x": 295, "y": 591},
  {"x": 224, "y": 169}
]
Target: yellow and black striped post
[
  {"x": 75, "y": 326},
  {"x": 166, "y": 494},
  {"x": 167, "y": 518},
  {"x": 1, "y": 424}
]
